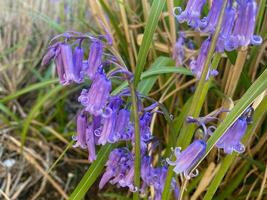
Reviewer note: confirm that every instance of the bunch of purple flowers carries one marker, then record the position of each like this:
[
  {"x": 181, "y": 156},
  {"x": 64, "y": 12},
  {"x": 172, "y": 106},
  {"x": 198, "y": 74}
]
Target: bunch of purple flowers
[
  {"x": 106, "y": 118},
  {"x": 237, "y": 27}
]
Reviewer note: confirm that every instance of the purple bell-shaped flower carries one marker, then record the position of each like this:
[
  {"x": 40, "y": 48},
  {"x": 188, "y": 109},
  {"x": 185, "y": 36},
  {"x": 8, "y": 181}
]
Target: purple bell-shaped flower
[
  {"x": 95, "y": 58},
  {"x": 196, "y": 66},
  {"x": 230, "y": 141},
  {"x": 95, "y": 98},
  {"x": 191, "y": 14},
  {"x": 186, "y": 159}
]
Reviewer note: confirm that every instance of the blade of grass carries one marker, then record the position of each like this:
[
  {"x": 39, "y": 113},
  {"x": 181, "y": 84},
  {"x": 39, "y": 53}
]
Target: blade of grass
[
  {"x": 35, "y": 110},
  {"x": 150, "y": 28},
  {"x": 29, "y": 88}
]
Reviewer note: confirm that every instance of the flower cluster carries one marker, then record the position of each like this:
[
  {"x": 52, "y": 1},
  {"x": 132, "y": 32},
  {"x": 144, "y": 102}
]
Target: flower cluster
[
  {"x": 237, "y": 28},
  {"x": 229, "y": 142},
  {"x": 106, "y": 118}
]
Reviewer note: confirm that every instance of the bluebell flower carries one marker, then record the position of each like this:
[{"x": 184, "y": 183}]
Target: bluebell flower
[
  {"x": 209, "y": 23},
  {"x": 186, "y": 159},
  {"x": 78, "y": 64},
  {"x": 81, "y": 124},
  {"x": 123, "y": 128},
  {"x": 178, "y": 50},
  {"x": 95, "y": 98},
  {"x": 49, "y": 55},
  {"x": 227, "y": 28},
  {"x": 231, "y": 139},
  {"x": 155, "y": 177},
  {"x": 95, "y": 58},
  {"x": 197, "y": 65},
  {"x": 243, "y": 32},
  {"x": 191, "y": 14},
  {"x": 120, "y": 166}
]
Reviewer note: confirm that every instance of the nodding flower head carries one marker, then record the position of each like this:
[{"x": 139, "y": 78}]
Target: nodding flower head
[
  {"x": 81, "y": 124},
  {"x": 119, "y": 169},
  {"x": 78, "y": 64},
  {"x": 95, "y": 58},
  {"x": 123, "y": 128},
  {"x": 155, "y": 177},
  {"x": 191, "y": 14},
  {"x": 178, "y": 50},
  {"x": 231, "y": 139},
  {"x": 226, "y": 30},
  {"x": 244, "y": 26},
  {"x": 209, "y": 23},
  {"x": 49, "y": 55},
  {"x": 186, "y": 159},
  {"x": 196, "y": 66},
  {"x": 95, "y": 98}
]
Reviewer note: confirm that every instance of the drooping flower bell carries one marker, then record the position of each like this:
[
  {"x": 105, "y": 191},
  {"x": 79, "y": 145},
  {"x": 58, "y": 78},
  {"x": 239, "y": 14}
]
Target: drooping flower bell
[
  {"x": 95, "y": 98},
  {"x": 155, "y": 177},
  {"x": 191, "y": 14},
  {"x": 231, "y": 139},
  {"x": 95, "y": 58},
  {"x": 119, "y": 169},
  {"x": 186, "y": 159},
  {"x": 244, "y": 26},
  {"x": 78, "y": 63},
  {"x": 227, "y": 28},
  {"x": 123, "y": 128},
  {"x": 178, "y": 50},
  {"x": 209, "y": 23},
  {"x": 196, "y": 66},
  {"x": 81, "y": 124}
]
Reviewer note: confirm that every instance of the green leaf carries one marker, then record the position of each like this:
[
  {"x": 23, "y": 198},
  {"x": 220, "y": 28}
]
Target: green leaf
[
  {"x": 149, "y": 77},
  {"x": 52, "y": 23},
  {"x": 29, "y": 88},
  {"x": 8, "y": 112},
  {"x": 166, "y": 70},
  {"x": 150, "y": 28}
]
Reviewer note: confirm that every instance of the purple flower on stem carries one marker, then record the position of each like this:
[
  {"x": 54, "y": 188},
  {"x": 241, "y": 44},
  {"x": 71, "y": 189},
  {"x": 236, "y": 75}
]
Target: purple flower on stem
[
  {"x": 119, "y": 169},
  {"x": 123, "y": 127},
  {"x": 209, "y": 23},
  {"x": 78, "y": 64},
  {"x": 178, "y": 50},
  {"x": 107, "y": 129},
  {"x": 244, "y": 26},
  {"x": 226, "y": 30},
  {"x": 81, "y": 124},
  {"x": 95, "y": 58},
  {"x": 186, "y": 159},
  {"x": 196, "y": 66},
  {"x": 230, "y": 141},
  {"x": 50, "y": 54},
  {"x": 155, "y": 177},
  {"x": 191, "y": 14},
  {"x": 95, "y": 98}
]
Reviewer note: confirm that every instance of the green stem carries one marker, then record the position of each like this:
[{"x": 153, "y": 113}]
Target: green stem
[
  {"x": 137, "y": 152},
  {"x": 197, "y": 102}
]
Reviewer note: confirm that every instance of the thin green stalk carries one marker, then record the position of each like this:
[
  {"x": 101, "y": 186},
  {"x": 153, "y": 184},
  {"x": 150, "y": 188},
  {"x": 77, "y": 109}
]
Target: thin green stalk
[
  {"x": 197, "y": 102},
  {"x": 137, "y": 152},
  {"x": 260, "y": 17}
]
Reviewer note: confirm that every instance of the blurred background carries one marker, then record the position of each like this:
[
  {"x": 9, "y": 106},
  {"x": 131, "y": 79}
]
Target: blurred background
[{"x": 39, "y": 114}]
